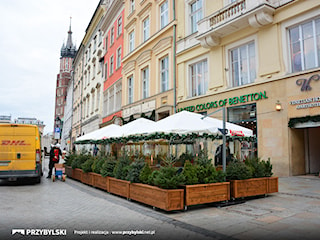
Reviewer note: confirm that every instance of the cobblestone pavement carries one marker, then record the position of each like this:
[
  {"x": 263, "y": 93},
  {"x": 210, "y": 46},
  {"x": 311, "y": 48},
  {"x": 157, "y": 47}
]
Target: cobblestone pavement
[{"x": 88, "y": 213}]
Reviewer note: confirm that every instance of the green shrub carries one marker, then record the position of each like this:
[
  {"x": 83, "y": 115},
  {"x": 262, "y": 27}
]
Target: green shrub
[
  {"x": 268, "y": 168},
  {"x": 122, "y": 166},
  {"x": 152, "y": 176},
  {"x": 108, "y": 166},
  {"x": 190, "y": 173},
  {"x": 97, "y": 164},
  {"x": 135, "y": 169},
  {"x": 238, "y": 170},
  {"x": 145, "y": 174},
  {"x": 258, "y": 167},
  {"x": 79, "y": 160},
  {"x": 69, "y": 159},
  {"x": 167, "y": 177},
  {"x": 203, "y": 159},
  {"x": 87, "y": 165},
  {"x": 206, "y": 174}
]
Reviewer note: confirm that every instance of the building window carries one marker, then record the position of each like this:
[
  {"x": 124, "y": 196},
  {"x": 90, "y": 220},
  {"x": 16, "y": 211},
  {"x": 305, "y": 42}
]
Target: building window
[
  {"x": 199, "y": 78},
  {"x": 100, "y": 36},
  {"x": 106, "y": 70},
  {"x": 92, "y": 102},
  {"x": 95, "y": 44},
  {"x": 98, "y": 98},
  {"x": 131, "y": 6},
  {"x": 243, "y": 64},
  {"x": 112, "y": 36},
  {"x": 88, "y": 106},
  {"x": 111, "y": 100},
  {"x": 146, "y": 29},
  {"x": 118, "y": 96},
  {"x": 119, "y": 30},
  {"x": 106, "y": 43},
  {"x": 196, "y": 9},
  {"x": 131, "y": 41},
  {"x": 164, "y": 16},
  {"x": 111, "y": 65},
  {"x": 130, "y": 89},
  {"x": 145, "y": 82},
  {"x": 89, "y": 52},
  {"x": 164, "y": 73},
  {"x": 304, "y": 45},
  {"x": 118, "y": 57}
]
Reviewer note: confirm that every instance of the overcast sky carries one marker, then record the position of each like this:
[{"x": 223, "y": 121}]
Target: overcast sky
[{"x": 31, "y": 35}]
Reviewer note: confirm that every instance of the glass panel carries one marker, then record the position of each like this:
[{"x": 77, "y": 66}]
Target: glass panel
[
  {"x": 243, "y": 65},
  {"x": 252, "y": 63},
  {"x": 205, "y": 77},
  {"x": 235, "y": 67},
  {"x": 317, "y": 26},
  {"x": 308, "y": 45},
  {"x": 193, "y": 82}
]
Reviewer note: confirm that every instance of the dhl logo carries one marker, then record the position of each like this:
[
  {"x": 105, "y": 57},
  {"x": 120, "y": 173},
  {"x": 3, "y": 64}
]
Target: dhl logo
[{"x": 14, "y": 143}]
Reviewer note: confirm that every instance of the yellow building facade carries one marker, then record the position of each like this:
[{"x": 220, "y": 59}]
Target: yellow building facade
[
  {"x": 261, "y": 61},
  {"x": 149, "y": 59}
]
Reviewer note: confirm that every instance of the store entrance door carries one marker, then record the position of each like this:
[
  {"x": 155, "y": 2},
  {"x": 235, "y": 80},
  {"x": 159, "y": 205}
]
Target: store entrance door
[{"x": 312, "y": 150}]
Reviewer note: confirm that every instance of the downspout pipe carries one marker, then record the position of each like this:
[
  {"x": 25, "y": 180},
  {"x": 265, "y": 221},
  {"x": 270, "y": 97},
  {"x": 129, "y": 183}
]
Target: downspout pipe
[{"x": 174, "y": 60}]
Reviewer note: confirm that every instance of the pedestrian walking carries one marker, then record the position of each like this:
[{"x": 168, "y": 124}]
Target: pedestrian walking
[
  {"x": 218, "y": 154},
  {"x": 55, "y": 154}
]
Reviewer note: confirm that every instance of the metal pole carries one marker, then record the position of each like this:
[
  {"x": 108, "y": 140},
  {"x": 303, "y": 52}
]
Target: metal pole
[{"x": 224, "y": 162}]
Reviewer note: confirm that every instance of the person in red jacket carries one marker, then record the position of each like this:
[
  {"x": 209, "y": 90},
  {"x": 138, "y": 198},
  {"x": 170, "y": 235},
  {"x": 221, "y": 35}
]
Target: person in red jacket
[{"x": 55, "y": 154}]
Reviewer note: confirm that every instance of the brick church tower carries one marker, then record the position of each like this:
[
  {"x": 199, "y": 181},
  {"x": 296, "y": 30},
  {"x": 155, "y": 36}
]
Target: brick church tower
[{"x": 68, "y": 53}]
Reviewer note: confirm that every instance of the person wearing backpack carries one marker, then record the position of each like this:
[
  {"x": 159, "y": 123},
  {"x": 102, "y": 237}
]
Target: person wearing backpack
[{"x": 55, "y": 154}]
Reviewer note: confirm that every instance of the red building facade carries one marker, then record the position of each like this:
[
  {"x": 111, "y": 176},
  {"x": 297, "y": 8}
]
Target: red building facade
[{"x": 113, "y": 45}]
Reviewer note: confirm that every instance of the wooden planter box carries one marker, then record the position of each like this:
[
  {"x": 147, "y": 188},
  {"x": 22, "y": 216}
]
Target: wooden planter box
[
  {"x": 206, "y": 193},
  {"x": 118, "y": 187},
  {"x": 69, "y": 171},
  {"x": 249, "y": 187},
  {"x": 87, "y": 178},
  {"x": 99, "y": 181},
  {"x": 273, "y": 184},
  {"x": 166, "y": 199},
  {"x": 77, "y": 174}
]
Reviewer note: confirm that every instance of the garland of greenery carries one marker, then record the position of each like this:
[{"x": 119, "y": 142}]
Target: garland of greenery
[
  {"x": 294, "y": 121},
  {"x": 173, "y": 138}
]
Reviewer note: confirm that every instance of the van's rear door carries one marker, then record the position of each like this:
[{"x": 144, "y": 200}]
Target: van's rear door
[{"x": 17, "y": 148}]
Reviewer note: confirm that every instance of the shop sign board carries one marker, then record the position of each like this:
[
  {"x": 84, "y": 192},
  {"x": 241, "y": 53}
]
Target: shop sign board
[
  {"x": 226, "y": 102},
  {"x": 305, "y": 83},
  {"x": 144, "y": 107},
  {"x": 306, "y": 103}
]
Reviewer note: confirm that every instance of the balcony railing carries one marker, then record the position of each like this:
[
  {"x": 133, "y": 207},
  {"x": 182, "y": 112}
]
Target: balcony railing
[
  {"x": 227, "y": 13},
  {"x": 235, "y": 16}
]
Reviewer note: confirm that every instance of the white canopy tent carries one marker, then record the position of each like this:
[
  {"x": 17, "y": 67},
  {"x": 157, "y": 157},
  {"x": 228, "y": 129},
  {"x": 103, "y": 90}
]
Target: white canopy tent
[
  {"x": 105, "y": 132},
  {"x": 139, "y": 126},
  {"x": 185, "y": 122}
]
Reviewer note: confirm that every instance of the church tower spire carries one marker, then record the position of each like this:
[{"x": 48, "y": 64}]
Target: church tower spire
[{"x": 68, "y": 50}]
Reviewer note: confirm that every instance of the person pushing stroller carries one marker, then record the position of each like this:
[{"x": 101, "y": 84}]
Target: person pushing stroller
[{"x": 55, "y": 154}]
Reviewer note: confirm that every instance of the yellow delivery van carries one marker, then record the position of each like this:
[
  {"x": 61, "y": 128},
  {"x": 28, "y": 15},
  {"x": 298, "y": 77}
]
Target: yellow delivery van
[{"x": 20, "y": 152}]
